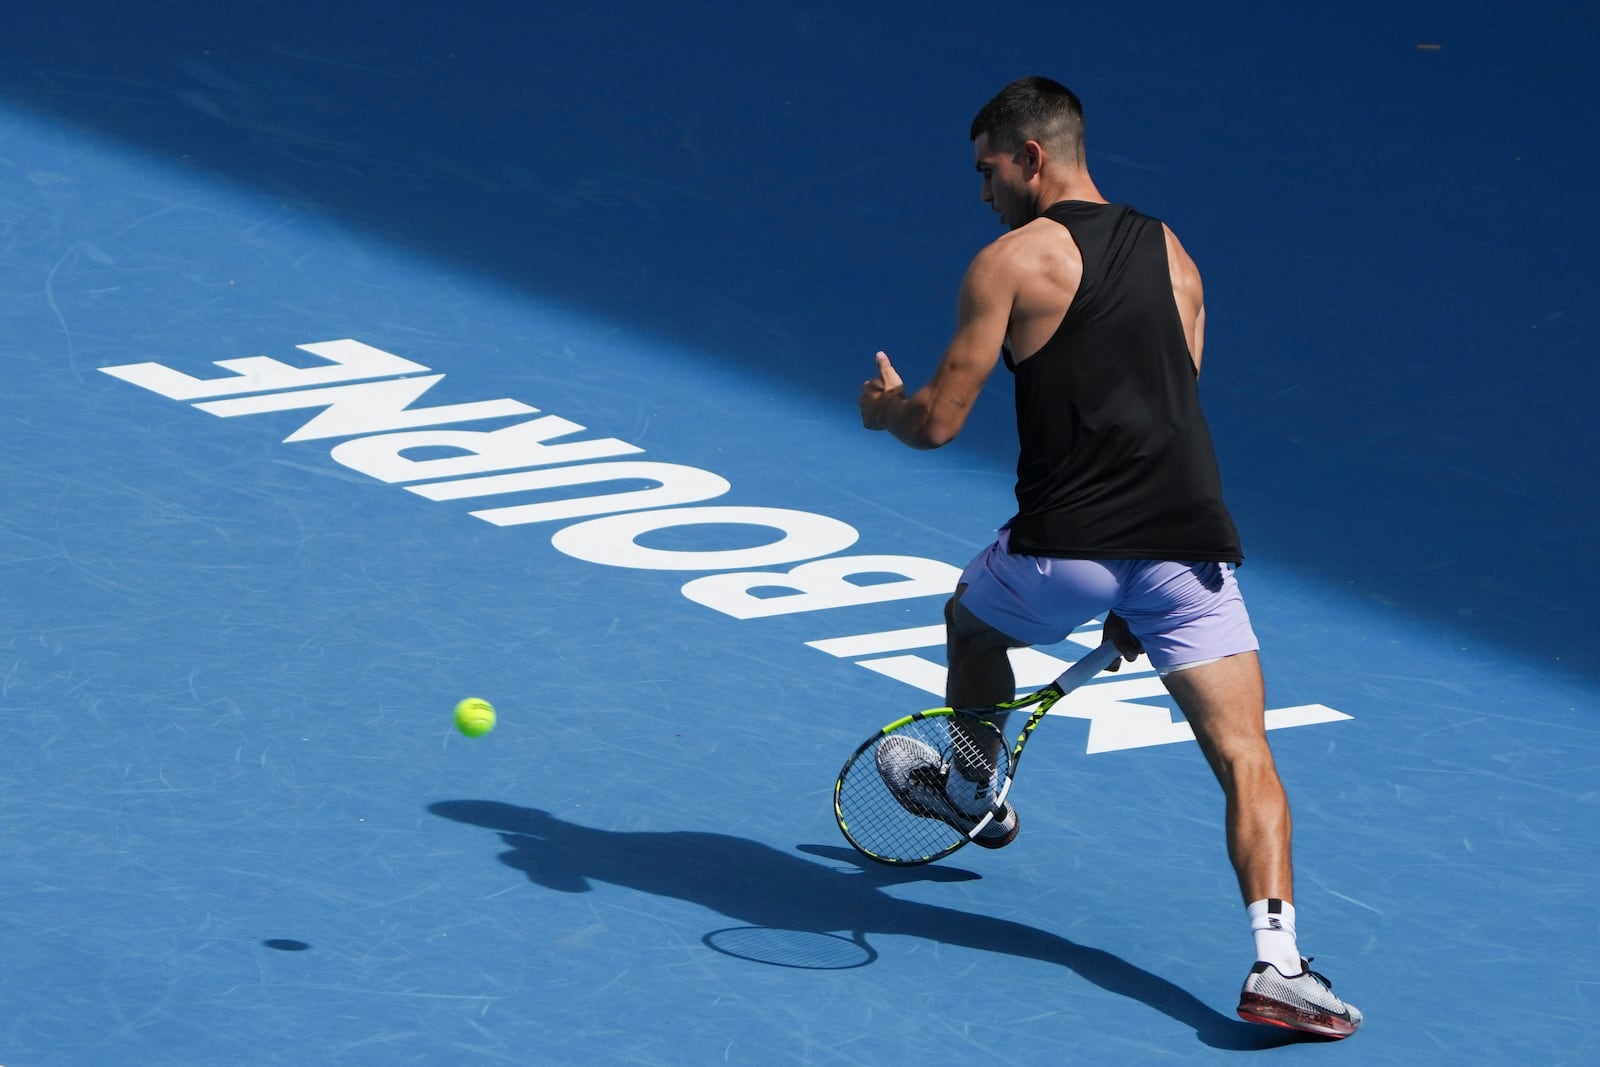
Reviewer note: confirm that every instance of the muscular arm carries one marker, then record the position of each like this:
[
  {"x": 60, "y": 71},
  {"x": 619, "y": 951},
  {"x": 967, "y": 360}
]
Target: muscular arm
[{"x": 934, "y": 415}]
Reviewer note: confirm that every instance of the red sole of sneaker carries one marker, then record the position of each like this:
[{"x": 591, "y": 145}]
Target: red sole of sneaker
[
  {"x": 999, "y": 842},
  {"x": 1268, "y": 1014}
]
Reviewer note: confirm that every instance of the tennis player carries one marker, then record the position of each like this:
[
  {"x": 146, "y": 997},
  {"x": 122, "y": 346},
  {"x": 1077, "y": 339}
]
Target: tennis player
[{"x": 1097, "y": 311}]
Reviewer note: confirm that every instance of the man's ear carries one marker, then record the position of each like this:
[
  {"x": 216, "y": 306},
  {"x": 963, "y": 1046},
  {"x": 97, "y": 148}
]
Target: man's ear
[{"x": 1030, "y": 158}]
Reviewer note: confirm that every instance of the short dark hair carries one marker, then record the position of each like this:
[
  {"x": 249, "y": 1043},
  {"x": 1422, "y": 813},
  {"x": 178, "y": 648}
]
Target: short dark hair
[{"x": 1033, "y": 109}]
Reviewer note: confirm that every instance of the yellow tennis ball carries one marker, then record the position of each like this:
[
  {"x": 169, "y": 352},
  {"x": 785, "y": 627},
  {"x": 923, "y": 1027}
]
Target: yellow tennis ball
[{"x": 474, "y": 717}]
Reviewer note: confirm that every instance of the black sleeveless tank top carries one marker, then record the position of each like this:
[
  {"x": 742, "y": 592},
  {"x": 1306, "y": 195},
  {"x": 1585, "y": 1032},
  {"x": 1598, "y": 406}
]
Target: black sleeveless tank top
[{"x": 1116, "y": 460}]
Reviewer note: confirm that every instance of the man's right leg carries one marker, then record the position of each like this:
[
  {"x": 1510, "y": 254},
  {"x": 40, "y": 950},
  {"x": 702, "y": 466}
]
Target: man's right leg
[{"x": 1224, "y": 701}]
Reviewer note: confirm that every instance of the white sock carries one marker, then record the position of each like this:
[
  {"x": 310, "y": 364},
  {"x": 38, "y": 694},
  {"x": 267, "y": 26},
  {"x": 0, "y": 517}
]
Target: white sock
[
  {"x": 1272, "y": 925},
  {"x": 972, "y": 798}
]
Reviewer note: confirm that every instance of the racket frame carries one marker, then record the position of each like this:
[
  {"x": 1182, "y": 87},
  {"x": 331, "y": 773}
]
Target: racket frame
[{"x": 1041, "y": 700}]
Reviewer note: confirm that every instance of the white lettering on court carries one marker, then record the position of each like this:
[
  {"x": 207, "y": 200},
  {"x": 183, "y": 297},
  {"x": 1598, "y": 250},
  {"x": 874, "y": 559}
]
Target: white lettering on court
[{"x": 370, "y": 397}]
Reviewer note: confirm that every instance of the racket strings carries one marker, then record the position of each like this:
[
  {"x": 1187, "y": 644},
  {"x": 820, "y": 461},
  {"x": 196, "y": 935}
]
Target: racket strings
[
  {"x": 913, "y": 794},
  {"x": 977, "y": 755}
]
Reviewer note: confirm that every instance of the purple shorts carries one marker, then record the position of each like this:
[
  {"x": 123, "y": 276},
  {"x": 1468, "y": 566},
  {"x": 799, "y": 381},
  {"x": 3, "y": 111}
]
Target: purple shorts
[{"x": 1183, "y": 613}]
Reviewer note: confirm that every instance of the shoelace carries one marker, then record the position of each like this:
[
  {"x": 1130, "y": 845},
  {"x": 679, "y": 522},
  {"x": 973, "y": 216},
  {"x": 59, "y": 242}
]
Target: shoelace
[
  {"x": 935, "y": 778},
  {"x": 1305, "y": 965},
  {"x": 932, "y": 778}
]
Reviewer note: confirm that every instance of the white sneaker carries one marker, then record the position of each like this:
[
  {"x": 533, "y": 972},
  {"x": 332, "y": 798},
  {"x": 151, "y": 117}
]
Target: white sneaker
[
  {"x": 920, "y": 780},
  {"x": 1303, "y": 1001}
]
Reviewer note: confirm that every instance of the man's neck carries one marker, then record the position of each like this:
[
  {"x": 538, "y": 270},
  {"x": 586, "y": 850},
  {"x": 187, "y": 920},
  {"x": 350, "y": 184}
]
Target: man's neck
[{"x": 1076, "y": 185}]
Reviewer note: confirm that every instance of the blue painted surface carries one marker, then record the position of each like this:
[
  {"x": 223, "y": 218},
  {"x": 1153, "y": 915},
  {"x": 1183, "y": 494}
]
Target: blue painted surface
[{"x": 228, "y": 661}]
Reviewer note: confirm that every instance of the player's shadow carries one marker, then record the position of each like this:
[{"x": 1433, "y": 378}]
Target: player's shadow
[{"x": 753, "y": 883}]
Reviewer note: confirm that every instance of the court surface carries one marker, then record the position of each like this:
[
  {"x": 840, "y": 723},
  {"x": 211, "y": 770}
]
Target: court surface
[{"x": 569, "y": 308}]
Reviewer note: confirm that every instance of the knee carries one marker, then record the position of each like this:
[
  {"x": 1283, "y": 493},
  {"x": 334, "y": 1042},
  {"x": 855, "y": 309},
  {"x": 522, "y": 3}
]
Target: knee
[{"x": 1247, "y": 769}]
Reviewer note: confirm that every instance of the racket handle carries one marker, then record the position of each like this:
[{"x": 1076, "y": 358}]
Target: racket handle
[{"x": 1087, "y": 667}]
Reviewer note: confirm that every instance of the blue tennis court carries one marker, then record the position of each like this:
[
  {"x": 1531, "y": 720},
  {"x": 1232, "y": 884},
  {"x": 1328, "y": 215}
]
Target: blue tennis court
[{"x": 365, "y": 357}]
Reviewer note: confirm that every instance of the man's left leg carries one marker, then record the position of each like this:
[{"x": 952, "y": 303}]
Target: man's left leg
[
  {"x": 979, "y": 676},
  {"x": 1008, "y": 601}
]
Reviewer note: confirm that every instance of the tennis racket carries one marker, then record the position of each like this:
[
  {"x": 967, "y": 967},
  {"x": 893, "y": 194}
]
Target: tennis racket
[{"x": 925, "y": 785}]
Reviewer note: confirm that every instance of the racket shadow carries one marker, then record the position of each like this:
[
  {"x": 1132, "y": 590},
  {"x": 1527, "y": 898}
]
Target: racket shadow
[{"x": 757, "y": 886}]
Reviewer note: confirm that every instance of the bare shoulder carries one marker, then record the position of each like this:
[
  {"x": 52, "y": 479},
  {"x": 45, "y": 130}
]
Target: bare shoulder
[
  {"x": 1185, "y": 275},
  {"x": 1021, "y": 258},
  {"x": 1188, "y": 294},
  {"x": 1042, "y": 268}
]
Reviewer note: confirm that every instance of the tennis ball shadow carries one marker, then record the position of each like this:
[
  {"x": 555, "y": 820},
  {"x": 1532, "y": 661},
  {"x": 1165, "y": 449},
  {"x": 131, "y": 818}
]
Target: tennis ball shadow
[
  {"x": 285, "y": 944},
  {"x": 759, "y": 886}
]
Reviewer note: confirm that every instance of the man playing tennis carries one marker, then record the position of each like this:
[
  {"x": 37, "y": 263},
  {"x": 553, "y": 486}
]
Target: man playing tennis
[{"x": 1098, "y": 313}]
